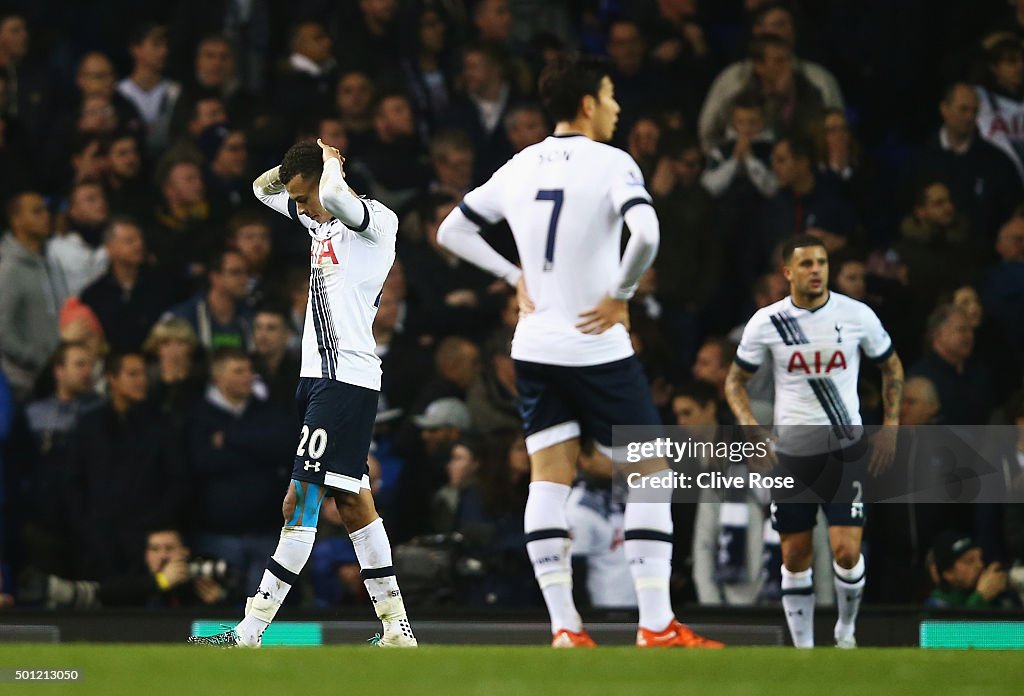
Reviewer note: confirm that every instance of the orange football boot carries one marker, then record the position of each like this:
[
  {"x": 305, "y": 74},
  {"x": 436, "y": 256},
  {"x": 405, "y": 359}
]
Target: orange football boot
[
  {"x": 675, "y": 635},
  {"x": 568, "y": 639}
]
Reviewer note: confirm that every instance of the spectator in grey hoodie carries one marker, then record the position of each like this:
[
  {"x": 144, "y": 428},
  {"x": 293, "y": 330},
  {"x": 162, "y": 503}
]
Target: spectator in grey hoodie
[{"x": 31, "y": 294}]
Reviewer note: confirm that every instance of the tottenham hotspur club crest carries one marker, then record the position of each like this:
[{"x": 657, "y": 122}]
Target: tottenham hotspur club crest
[{"x": 839, "y": 334}]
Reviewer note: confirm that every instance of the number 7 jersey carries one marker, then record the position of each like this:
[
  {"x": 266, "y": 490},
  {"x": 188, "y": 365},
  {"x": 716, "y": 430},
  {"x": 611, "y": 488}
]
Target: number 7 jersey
[{"x": 564, "y": 199}]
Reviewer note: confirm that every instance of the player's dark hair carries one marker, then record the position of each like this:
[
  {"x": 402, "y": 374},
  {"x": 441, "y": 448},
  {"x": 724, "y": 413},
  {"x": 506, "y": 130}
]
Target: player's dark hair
[
  {"x": 565, "y": 82},
  {"x": 797, "y": 242},
  {"x": 115, "y": 361},
  {"x": 759, "y": 46},
  {"x": 702, "y": 392},
  {"x": 304, "y": 159}
]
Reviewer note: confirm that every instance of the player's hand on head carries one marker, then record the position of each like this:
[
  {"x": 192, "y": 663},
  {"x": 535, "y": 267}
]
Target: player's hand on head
[
  {"x": 604, "y": 316},
  {"x": 329, "y": 152}
]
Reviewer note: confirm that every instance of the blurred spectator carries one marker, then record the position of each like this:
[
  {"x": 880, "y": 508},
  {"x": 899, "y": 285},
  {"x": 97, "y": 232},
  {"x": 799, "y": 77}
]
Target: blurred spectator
[
  {"x": 692, "y": 248},
  {"x": 127, "y": 191},
  {"x": 185, "y": 236},
  {"x": 304, "y": 83},
  {"x": 394, "y": 156},
  {"x": 980, "y": 177},
  {"x": 355, "y": 97},
  {"x": 921, "y": 405},
  {"x": 992, "y": 347},
  {"x": 77, "y": 251},
  {"x": 743, "y": 160},
  {"x": 403, "y": 360},
  {"x": 642, "y": 144},
  {"x": 153, "y": 95},
  {"x": 88, "y": 158},
  {"x": 177, "y": 378},
  {"x": 492, "y": 20},
  {"x": 491, "y": 398},
  {"x": 935, "y": 245},
  {"x": 276, "y": 369},
  {"x": 226, "y": 175},
  {"x": 118, "y": 451},
  {"x": 249, "y": 234},
  {"x": 638, "y": 88},
  {"x": 130, "y": 296},
  {"x": 32, "y": 292},
  {"x": 964, "y": 385},
  {"x": 525, "y": 125},
  {"x": 711, "y": 367},
  {"x": 480, "y": 111},
  {"x": 42, "y": 474},
  {"x": 458, "y": 501},
  {"x": 1001, "y": 99},
  {"x": 96, "y": 79},
  {"x": 775, "y": 20},
  {"x": 456, "y": 365},
  {"x": 455, "y": 297},
  {"x": 1003, "y": 291},
  {"x": 238, "y": 442},
  {"x": 27, "y": 89},
  {"x": 847, "y": 275},
  {"x": 451, "y": 154},
  {"x": 962, "y": 579},
  {"x": 372, "y": 42},
  {"x": 427, "y": 69},
  {"x": 219, "y": 316},
  {"x": 214, "y": 74}
]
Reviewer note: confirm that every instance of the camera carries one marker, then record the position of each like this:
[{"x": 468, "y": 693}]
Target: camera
[{"x": 212, "y": 568}]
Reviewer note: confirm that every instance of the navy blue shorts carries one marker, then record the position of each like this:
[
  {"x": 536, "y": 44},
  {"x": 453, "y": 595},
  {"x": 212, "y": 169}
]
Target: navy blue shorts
[
  {"x": 337, "y": 425},
  {"x": 836, "y": 477},
  {"x": 559, "y": 403}
]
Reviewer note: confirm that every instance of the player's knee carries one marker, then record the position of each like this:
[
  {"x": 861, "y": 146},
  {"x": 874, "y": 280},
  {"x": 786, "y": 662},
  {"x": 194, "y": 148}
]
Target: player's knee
[
  {"x": 845, "y": 554},
  {"x": 797, "y": 559},
  {"x": 354, "y": 510}
]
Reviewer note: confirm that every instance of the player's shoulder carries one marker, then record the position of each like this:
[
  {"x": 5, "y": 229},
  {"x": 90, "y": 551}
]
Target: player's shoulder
[{"x": 850, "y": 306}]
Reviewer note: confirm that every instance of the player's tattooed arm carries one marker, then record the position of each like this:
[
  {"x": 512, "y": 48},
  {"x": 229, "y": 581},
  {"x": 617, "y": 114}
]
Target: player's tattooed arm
[
  {"x": 737, "y": 395},
  {"x": 892, "y": 388}
]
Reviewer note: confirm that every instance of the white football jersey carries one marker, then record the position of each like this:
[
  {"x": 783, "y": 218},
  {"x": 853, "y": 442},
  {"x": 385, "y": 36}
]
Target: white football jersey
[
  {"x": 816, "y": 359},
  {"x": 564, "y": 199},
  {"x": 1001, "y": 122},
  {"x": 346, "y": 274}
]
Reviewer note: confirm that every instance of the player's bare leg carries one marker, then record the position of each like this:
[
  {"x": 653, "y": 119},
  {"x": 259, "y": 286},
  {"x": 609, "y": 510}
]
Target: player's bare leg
[
  {"x": 848, "y": 566},
  {"x": 798, "y": 586},
  {"x": 552, "y": 470},
  {"x": 647, "y": 530}
]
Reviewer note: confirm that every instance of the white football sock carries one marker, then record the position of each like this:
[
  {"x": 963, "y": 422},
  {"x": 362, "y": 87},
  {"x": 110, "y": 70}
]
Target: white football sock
[
  {"x": 647, "y": 525},
  {"x": 547, "y": 544},
  {"x": 798, "y": 603},
  {"x": 849, "y": 590},
  {"x": 282, "y": 572},
  {"x": 373, "y": 549}
]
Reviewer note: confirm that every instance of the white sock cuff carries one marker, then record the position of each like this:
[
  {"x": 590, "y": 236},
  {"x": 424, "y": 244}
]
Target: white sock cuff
[
  {"x": 803, "y": 578},
  {"x": 300, "y": 533},
  {"x": 361, "y": 534},
  {"x": 554, "y": 577},
  {"x": 851, "y": 576}
]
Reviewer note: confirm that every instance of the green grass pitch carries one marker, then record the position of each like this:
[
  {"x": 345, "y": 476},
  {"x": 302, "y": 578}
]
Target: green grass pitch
[{"x": 151, "y": 670}]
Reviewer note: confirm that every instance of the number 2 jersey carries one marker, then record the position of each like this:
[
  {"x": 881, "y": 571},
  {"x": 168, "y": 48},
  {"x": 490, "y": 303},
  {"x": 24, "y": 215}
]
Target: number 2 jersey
[
  {"x": 816, "y": 359},
  {"x": 564, "y": 199},
  {"x": 347, "y": 269}
]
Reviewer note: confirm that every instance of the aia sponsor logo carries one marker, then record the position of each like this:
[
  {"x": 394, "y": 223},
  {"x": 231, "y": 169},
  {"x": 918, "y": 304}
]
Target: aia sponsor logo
[
  {"x": 816, "y": 363},
  {"x": 322, "y": 253}
]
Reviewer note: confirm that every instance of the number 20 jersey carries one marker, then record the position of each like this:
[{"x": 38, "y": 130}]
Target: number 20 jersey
[{"x": 564, "y": 199}]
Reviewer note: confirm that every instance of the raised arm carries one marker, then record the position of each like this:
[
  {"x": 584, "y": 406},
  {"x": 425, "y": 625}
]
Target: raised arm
[
  {"x": 339, "y": 200},
  {"x": 271, "y": 192}
]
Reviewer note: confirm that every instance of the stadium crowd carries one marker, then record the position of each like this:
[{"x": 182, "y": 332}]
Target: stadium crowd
[{"x": 150, "y": 310}]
